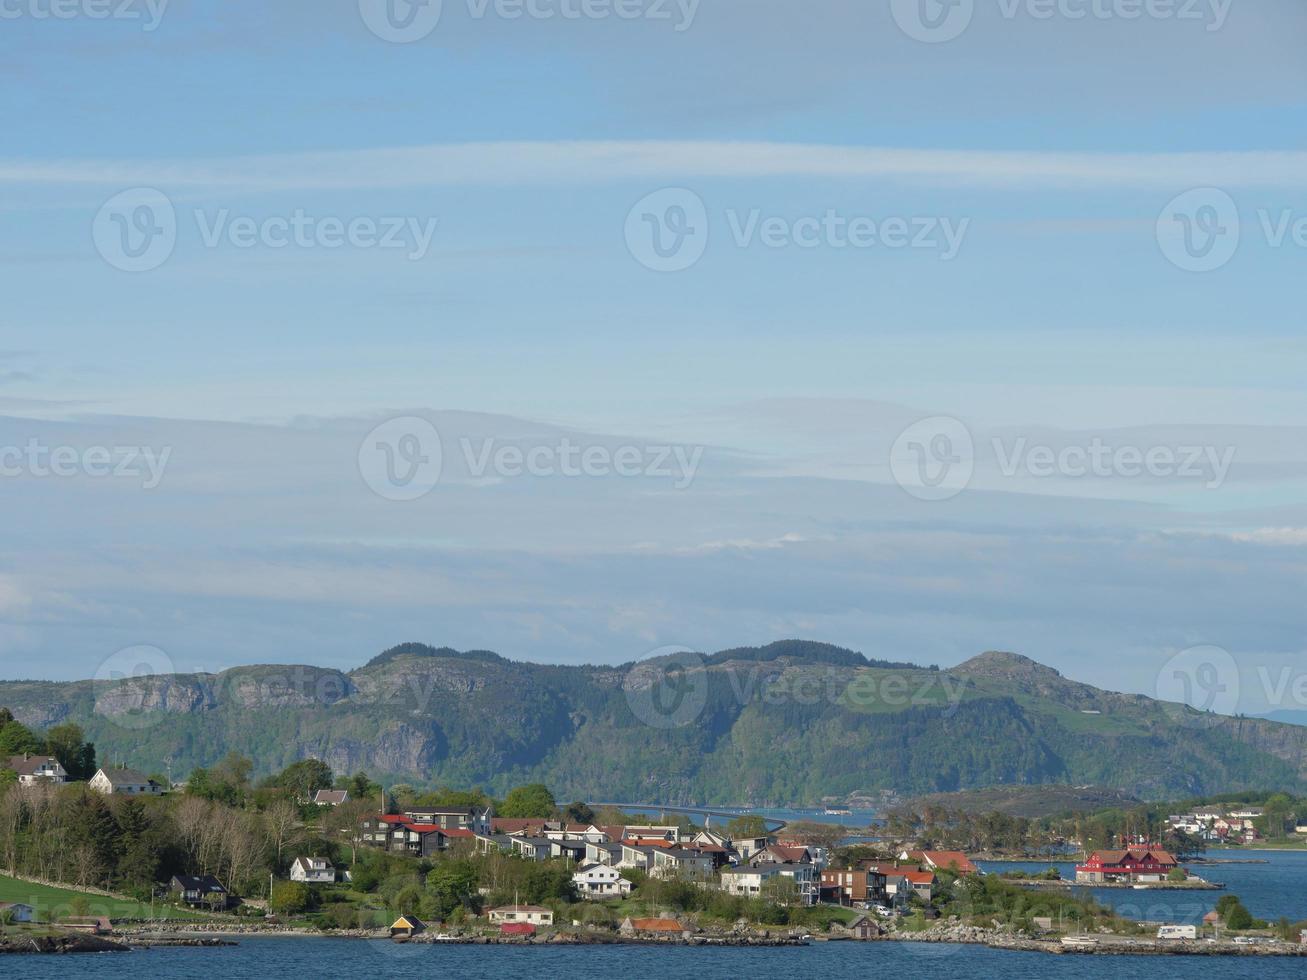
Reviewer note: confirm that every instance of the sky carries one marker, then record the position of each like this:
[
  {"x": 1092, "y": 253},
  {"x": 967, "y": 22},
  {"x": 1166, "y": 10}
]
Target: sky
[{"x": 579, "y": 329}]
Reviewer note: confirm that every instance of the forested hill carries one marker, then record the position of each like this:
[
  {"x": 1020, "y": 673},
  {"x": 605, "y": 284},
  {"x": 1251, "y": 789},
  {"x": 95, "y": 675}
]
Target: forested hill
[{"x": 789, "y": 723}]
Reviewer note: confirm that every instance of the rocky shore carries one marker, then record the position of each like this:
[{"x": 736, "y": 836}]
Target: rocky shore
[
  {"x": 73, "y": 942},
  {"x": 1104, "y": 945}
]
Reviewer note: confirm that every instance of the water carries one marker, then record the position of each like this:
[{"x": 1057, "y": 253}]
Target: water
[
  {"x": 262, "y": 957},
  {"x": 1268, "y": 890},
  {"x": 857, "y": 819}
]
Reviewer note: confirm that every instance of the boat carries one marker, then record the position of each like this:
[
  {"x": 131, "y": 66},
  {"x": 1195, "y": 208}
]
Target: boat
[
  {"x": 1079, "y": 942},
  {"x": 832, "y": 811}
]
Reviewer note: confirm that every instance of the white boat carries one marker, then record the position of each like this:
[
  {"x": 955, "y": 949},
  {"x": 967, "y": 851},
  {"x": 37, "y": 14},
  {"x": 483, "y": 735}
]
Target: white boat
[{"x": 1079, "y": 942}]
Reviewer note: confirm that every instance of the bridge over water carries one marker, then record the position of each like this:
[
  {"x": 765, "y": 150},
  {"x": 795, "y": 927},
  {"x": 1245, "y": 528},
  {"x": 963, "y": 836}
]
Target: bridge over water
[{"x": 773, "y": 824}]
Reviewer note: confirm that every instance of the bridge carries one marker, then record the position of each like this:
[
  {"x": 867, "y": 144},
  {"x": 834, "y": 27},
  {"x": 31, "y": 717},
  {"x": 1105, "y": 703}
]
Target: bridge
[{"x": 773, "y": 824}]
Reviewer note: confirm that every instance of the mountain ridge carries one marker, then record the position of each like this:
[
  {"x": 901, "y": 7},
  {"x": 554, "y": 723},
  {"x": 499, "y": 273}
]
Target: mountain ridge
[{"x": 791, "y": 722}]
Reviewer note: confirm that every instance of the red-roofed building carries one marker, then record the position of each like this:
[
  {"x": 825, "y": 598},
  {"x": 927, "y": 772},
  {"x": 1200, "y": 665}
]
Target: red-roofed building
[{"x": 1134, "y": 864}]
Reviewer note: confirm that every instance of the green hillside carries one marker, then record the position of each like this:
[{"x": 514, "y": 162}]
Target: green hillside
[{"x": 790, "y": 723}]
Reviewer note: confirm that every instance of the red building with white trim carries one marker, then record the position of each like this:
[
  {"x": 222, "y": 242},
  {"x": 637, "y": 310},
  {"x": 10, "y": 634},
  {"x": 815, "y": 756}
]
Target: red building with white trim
[{"x": 1134, "y": 864}]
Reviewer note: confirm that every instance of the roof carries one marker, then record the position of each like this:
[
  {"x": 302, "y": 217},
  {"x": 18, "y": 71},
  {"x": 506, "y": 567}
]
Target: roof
[
  {"x": 438, "y": 811},
  {"x": 309, "y": 863},
  {"x": 944, "y": 860},
  {"x": 515, "y": 825},
  {"x": 787, "y": 854},
  {"x": 116, "y": 776},
  {"x": 1135, "y": 854},
  {"x": 331, "y": 796},
  {"x": 199, "y": 883},
  {"x": 656, "y": 925},
  {"x": 408, "y": 922},
  {"x": 27, "y": 766},
  {"x": 919, "y": 877},
  {"x": 521, "y": 908}
]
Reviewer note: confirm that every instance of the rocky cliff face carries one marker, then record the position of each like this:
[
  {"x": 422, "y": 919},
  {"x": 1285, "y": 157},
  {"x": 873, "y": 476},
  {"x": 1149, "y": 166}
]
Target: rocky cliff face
[{"x": 783, "y": 724}]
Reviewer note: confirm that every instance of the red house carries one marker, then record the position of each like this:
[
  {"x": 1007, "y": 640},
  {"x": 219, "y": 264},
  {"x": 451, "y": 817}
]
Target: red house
[{"x": 1134, "y": 864}]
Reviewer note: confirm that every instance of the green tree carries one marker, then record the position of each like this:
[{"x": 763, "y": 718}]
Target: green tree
[
  {"x": 452, "y": 884},
  {"x": 534, "y": 800},
  {"x": 579, "y": 813},
  {"x": 17, "y": 739},
  {"x": 291, "y": 898},
  {"x": 68, "y": 744},
  {"x": 746, "y": 826},
  {"x": 304, "y": 778},
  {"x": 1238, "y": 918}
]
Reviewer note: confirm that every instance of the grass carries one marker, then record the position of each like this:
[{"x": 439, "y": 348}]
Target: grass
[{"x": 54, "y": 903}]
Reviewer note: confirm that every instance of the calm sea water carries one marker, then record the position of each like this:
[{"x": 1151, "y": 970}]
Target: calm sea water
[
  {"x": 343, "y": 957},
  {"x": 1270, "y": 890}
]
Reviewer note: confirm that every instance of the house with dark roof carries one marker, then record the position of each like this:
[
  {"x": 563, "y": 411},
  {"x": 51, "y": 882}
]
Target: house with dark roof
[
  {"x": 199, "y": 891},
  {"x": 32, "y": 769},
  {"x": 124, "y": 782},
  {"x": 331, "y": 797}
]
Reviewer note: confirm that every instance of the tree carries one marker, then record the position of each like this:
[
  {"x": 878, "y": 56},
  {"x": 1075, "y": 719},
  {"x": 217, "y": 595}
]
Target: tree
[
  {"x": 1238, "y": 918},
  {"x": 579, "y": 813},
  {"x": 282, "y": 823},
  {"x": 534, "y": 800},
  {"x": 290, "y": 898},
  {"x": 746, "y": 826},
  {"x": 17, "y": 739},
  {"x": 304, "y": 778},
  {"x": 452, "y": 884},
  {"x": 361, "y": 787},
  {"x": 68, "y": 744}
]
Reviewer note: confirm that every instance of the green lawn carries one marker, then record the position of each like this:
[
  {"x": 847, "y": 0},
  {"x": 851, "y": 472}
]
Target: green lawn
[{"x": 51, "y": 902}]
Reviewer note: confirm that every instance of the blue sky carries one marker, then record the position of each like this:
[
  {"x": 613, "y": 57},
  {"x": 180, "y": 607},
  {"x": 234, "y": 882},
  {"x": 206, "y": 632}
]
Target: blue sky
[{"x": 1055, "y": 148}]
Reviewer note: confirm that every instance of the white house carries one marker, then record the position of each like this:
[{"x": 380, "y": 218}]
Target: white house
[
  {"x": 750, "y": 881},
  {"x": 533, "y": 914},
  {"x": 599, "y": 881},
  {"x": 124, "y": 782},
  {"x": 34, "y": 769},
  {"x": 313, "y": 871}
]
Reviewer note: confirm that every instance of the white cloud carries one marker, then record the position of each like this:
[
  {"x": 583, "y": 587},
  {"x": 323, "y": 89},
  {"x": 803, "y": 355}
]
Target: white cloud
[{"x": 586, "y": 161}]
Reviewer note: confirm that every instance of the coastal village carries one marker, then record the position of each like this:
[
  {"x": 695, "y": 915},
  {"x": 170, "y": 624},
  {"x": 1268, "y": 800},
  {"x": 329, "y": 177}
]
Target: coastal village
[{"x": 424, "y": 872}]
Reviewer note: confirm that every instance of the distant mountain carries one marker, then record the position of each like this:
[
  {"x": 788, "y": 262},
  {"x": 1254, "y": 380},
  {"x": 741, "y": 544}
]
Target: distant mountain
[
  {"x": 789, "y": 723},
  {"x": 1287, "y": 717}
]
